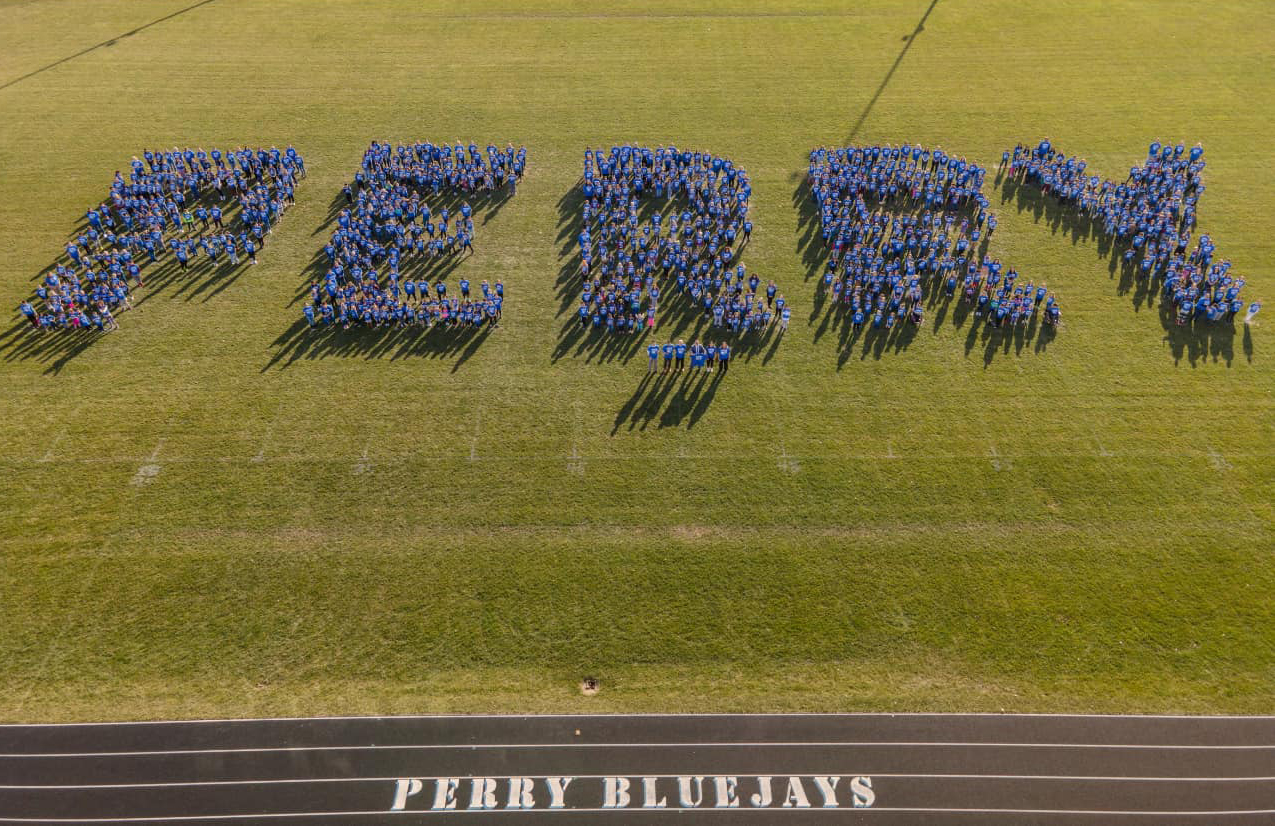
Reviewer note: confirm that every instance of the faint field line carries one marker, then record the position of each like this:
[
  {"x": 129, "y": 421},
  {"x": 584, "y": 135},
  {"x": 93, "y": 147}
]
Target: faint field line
[{"x": 576, "y": 455}]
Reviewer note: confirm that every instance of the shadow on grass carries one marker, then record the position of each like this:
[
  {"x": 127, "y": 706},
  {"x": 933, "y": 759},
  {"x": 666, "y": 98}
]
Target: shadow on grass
[
  {"x": 1194, "y": 342},
  {"x": 908, "y": 40},
  {"x": 669, "y": 400},
  {"x": 300, "y": 341},
  {"x": 105, "y": 43},
  {"x": 56, "y": 348}
]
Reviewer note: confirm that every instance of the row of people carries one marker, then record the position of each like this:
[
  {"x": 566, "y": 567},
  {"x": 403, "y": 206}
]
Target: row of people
[
  {"x": 442, "y": 168},
  {"x": 372, "y": 311},
  {"x": 627, "y": 262},
  {"x": 1152, "y": 213},
  {"x": 883, "y": 260},
  {"x": 153, "y": 212},
  {"x": 389, "y": 225},
  {"x": 728, "y": 301},
  {"x": 703, "y": 355},
  {"x": 904, "y": 175}
]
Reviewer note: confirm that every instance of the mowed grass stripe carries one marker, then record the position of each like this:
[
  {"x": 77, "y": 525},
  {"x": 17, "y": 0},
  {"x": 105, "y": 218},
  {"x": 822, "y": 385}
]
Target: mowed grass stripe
[{"x": 989, "y": 603}]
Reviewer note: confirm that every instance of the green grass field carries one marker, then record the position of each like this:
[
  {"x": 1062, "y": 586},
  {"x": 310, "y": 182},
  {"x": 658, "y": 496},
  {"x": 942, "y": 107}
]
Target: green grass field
[{"x": 372, "y": 525}]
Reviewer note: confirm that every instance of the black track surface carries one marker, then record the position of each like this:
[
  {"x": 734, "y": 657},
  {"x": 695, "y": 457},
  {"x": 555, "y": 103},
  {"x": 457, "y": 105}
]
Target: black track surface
[{"x": 928, "y": 769}]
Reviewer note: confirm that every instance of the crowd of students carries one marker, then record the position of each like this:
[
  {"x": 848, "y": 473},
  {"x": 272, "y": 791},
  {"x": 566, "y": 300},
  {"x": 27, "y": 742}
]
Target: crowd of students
[
  {"x": 172, "y": 202},
  {"x": 387, "y": 229},
  {"x": 897, "y": 220},
  {"x": 630, "y": 264},
  {"x": 1152, "y": 214}
]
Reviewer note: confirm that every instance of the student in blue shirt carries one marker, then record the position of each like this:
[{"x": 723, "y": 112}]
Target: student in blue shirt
[
  {"x": 669, "y": 350},
  {"x": 723, "y": 356},
  {"x": 30, "y": 313},
  {"x": 698, "y": 354},
  {"x": 680, "y": 350},
  {"x": 653, "y": 357}
]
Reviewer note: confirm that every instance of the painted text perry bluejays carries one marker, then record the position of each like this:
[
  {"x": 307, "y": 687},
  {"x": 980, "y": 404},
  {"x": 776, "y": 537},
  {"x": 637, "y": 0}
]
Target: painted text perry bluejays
[{"x": 618, "y": 792}]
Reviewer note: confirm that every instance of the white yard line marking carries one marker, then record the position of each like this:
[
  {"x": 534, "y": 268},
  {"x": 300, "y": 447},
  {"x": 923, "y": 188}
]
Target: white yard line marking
[
  {"x": 787, "y": 463},
  {"x": 363, "y": 465},
  {"x": 999, "y": 462},
  {"x": 530, "y": 746},
  {"x": 1102, "y": 449},
  {"x": 150, "y": 469},
  {"x": 575, "y": 462},
  {"x": 1218, "y": 460},
  {"x": 48, "y": 454},
  {"x": 265, "y": 440}
]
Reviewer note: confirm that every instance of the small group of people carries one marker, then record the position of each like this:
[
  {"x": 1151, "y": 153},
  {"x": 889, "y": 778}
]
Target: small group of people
[
  {"x": 388, "y": 228},
  {"x": 629, "y": 263},
  {"x": 1153, "y": 214},
  {"x": 172, "y": 202},
  {"x": 402, "y": 305},
  {"x": 729, "y": 302},
  {"x": 1006, "y": 303},
  {"x": 898, "y": 220},
  {"x": 1201, "y": 290},
  {"x": 703, "y": 355}
]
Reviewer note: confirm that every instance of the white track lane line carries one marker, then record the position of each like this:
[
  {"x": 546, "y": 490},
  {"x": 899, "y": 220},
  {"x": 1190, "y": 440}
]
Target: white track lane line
[
  {"x": 488, "y": 746},
  {"x": 895, "y": 775},
  {"x": 636, "y": 810}
]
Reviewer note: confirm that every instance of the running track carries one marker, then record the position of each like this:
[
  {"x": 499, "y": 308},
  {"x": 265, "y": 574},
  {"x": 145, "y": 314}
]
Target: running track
[{"x": 926, "y": 769}]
